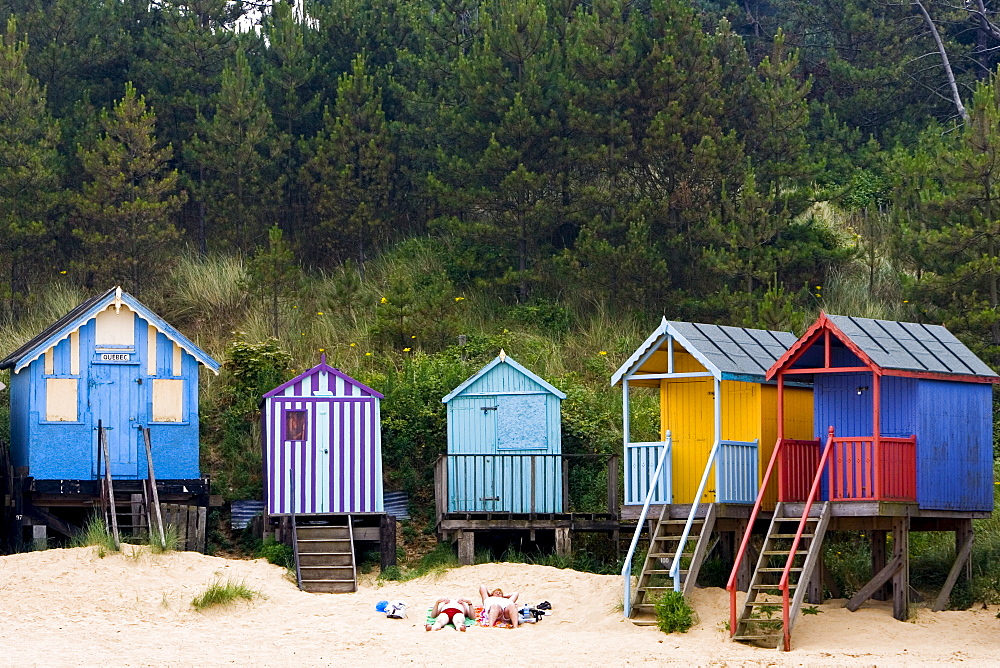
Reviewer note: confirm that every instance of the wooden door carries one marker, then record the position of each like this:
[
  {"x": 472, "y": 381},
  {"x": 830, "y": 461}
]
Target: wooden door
[{"x": 114, "y": 400}]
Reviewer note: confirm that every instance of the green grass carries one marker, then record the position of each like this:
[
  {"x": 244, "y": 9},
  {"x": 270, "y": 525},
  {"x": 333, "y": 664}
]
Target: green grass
[
  {"x": 219, "y": 593},
  {"x": 276, "y": 553},
  {"x": 439, "y": 560},
  {"x": 95, "y": 533},
  {"x": 673, "y": 613},
  {"x": 169, "y": 543}
]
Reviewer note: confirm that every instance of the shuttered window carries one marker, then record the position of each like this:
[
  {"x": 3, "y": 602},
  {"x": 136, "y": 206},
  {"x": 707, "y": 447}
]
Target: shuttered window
[
  {"x": 60, "y": 399},
  {"x": 168, "y": 400}
]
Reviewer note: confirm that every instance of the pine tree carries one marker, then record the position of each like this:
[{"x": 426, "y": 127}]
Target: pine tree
[
  {"x": 28, "y": 178},
  {"x": 274, "y": 275},
  {"x": 123, "y": 215},
  {"x": 235, "y": 153},
  {"x": 350, "y": 171}
]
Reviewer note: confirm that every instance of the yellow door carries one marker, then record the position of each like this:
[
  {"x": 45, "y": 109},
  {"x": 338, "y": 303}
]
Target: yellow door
[{"x": 688, "y": 412}]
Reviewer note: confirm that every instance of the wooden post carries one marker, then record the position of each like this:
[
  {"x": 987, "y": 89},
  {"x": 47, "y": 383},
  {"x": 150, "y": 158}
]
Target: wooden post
[
  {"x": 565, "y": 486},
  {"x": 962, "y": 533},
  {"x": 901, "y": 580},
  {"x": 564, "y": 545},
  {"x": 466, "y": 547},
  {"x": 877, "y": 441},
  {"x": 814, "y": 592},
  {"x": 441, "y": 486},
  {"x": 154, "y": 494},
  {"x": 781, "y": 436},
  {"x": 613, "y": 485},
  {"x": 39, "y": 537},
  {"x": 745, "y": 573},
  {"x": 387, "y": 541},
  {"x": 878, "y": 562}
]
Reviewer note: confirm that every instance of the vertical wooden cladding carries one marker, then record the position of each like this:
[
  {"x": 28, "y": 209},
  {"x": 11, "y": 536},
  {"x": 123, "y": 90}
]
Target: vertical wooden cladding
[
  {"x": 955, "y": 446},
  {"x": 687, "y": 409},
  {"x": 504, "y": 438},
  {"x": 337, "y": 464},
  {"x": 798, "y": 425}
]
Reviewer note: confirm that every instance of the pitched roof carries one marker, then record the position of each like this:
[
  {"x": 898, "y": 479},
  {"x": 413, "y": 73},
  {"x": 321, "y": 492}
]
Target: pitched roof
[
  {"x": 902, "y": 346},
  {"x": 727, "y": 352},
  {"x": 323, "y": 366},
  {"x": 79, "y": 316},
  {"x": 502, "y": 358}
]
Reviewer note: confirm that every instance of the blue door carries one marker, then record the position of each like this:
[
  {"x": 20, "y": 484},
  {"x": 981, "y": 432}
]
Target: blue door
[
  {"x": 471, "y": 464},
  {"x": 114, "y": 400}
]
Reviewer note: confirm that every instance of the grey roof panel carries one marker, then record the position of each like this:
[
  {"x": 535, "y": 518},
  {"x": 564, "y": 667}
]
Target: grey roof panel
[
  {"x": 736, "y": 350},
  {"x": 13, "y": 358},
  {"x": 909, "y": 346}
]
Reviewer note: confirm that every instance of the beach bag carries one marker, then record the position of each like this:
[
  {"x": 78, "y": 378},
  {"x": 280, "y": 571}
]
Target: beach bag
[{"x": 395, "y": 610}]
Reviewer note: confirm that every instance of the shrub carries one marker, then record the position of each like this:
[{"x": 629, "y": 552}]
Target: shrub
[
  {"x": 218, "y": 593},
  {"x": 276, "y": 553},
  {"x": 673, "y": 613}
]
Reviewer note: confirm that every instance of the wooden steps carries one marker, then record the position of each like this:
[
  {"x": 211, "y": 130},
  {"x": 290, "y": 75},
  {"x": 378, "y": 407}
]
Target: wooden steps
[
  {"x": 663, "y": 549},
  {"x": 761, "y": 621},
  {"x": 325, "y": 558}
]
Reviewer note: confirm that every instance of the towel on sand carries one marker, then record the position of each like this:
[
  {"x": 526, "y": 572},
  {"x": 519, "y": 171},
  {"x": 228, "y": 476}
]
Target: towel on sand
[
  {"x": 484, "y": 621},
  {"x": 430, "y": 619}
]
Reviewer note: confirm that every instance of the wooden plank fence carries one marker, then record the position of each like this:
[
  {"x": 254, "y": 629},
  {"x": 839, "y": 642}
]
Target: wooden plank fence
[{"x": 190, "y": 524}]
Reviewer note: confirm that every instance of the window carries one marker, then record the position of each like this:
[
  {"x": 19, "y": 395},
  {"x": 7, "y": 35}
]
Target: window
[
  {"x": 295, "y": 425},
  {"x": 60, "y": 399},
  {"x": 115, "y": 328},
  {"x": 168, "y": 400}
]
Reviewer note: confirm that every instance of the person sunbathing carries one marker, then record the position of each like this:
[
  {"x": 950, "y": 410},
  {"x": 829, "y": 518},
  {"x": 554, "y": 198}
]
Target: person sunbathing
[
  {"x": 454, "y": 610},
  {"x": 498, "y": 607}
]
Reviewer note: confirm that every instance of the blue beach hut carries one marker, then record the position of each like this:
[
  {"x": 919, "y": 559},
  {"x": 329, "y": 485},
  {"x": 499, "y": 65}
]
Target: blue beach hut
[
  {"x": 504, "y": 442},
  {"x": 109, "y": 360}
]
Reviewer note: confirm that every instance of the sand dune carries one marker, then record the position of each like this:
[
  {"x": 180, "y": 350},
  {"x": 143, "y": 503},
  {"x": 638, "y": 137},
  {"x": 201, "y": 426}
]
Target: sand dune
[{"x": 71, "y": 607}]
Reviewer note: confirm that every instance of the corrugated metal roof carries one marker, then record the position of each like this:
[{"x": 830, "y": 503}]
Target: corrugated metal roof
[
  {"x": 911, "y": 346},
  {"x": 724, "y": 350}
]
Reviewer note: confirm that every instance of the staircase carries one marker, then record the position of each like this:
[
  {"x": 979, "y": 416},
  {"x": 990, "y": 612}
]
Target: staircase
[
  {"x": 767, "y": 618},
  {"x": 664, "y": 548},
  {"x": 135, "y": 513},
  {"x": 324, "y": 556}
]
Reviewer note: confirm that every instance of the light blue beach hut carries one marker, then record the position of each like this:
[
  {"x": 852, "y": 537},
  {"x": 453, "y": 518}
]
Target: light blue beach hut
[{"x": 505, "y": 442}]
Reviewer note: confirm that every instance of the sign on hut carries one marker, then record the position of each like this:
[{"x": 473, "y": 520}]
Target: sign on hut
[{"x": 505, "y": 442}]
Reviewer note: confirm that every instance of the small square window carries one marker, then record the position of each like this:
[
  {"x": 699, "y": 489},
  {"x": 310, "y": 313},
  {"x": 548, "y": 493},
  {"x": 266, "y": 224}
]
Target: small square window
[{"x": 295, "y": 425}]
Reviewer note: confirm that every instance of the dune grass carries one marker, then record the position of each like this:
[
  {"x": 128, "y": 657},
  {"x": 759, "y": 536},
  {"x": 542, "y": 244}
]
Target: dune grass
[
  {"x": 95, "y": 533},
  {"x": 224, "y": 593}
]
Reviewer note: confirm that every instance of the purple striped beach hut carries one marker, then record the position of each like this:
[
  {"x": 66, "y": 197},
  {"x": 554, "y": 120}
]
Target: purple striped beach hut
[{"x": 322, "y": 437}]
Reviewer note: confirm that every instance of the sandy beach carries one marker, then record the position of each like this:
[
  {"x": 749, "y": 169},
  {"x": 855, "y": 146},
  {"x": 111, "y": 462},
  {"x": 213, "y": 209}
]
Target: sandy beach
[{"x": 72, "y": 607}]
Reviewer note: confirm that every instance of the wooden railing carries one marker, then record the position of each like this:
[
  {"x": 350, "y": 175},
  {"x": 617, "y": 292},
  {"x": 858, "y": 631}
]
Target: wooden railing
[
  {"x": 641, "y": 459},
  {"x": 519, "y": 483},
  {"x": 853, "y": 471},
  {"x": 736, "y": 472}
]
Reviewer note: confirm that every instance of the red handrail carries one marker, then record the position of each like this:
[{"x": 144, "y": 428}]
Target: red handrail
[
  {"x": 783, "y": 583},
  {"x": 731, "y": 584}
]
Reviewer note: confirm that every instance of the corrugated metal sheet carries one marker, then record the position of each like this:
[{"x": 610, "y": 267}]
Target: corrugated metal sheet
[
  {"x": 241, "y": 512},
  {"x": 504, "y": 410},
  {"x": 397, "y": 504},
  {"x": 910, "y": 346},
  {"x": 337, "y": 467}
]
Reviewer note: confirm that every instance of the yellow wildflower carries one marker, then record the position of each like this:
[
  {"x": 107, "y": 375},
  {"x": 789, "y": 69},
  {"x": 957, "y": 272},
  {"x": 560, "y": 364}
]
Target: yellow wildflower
[
  {"x": 63, "y": 271},
  {"x": 459, "y": 299},
  {"x": 603, "y": 352},
  {"x": 414, "y": 336},
  {"x": 384, "y": 300},
  {"x": 319, "y": 313},
  {"x": 322, "y": 350},
  {"x": 354, "y": 345},
  {"x": 406, "y": 350},
  {"x": 368, "y": 354}
]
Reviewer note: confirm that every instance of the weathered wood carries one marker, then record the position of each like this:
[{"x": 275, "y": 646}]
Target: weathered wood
[
  {"x": 53, "y": 522},
  {"x": 564, "y": 544},
  {"x": 153, "y": 492},
  {"x": 136, "y": 508},
  {"x": 814, "y": 592},
  {"x": 441, "y": 487},
  {"x": 387, "y": 541},
  {"x": 961, "y": 558},
  {"x": 613, "y": 464},
  {"x": 201, "y": 535},
  {"x": 876, "y": 583},
  {"x": 877, "y": 538},
  {"x": 466, "y": 548},
  {"x": 963, "y": 531},
  {"x": 109, "y": 485},
  {"x": 901, "y": 580},
  {"x": 39, "y": 537}
]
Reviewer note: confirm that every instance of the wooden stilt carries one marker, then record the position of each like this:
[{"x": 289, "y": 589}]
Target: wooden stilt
[
  {"x": 888, "y": 571},
  {"x": 564, "y": 545},
  {"x": 901, "y": 579},
  {"x": 466, "y": 548},
  {"x": 814, "y": 591},
  {"x": 387, "y": 541},
  {"x": 745, "y": 574},
  {"x": 961, "y": 561},
  {"x": 962, "y": 533},
  {"x": 878, "y": 562}
]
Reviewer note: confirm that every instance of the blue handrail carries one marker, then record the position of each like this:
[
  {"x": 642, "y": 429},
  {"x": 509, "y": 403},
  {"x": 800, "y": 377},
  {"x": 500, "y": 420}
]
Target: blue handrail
[
  {"x": 675, "y": 566},
  {"x": 627, "y": 567}
]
